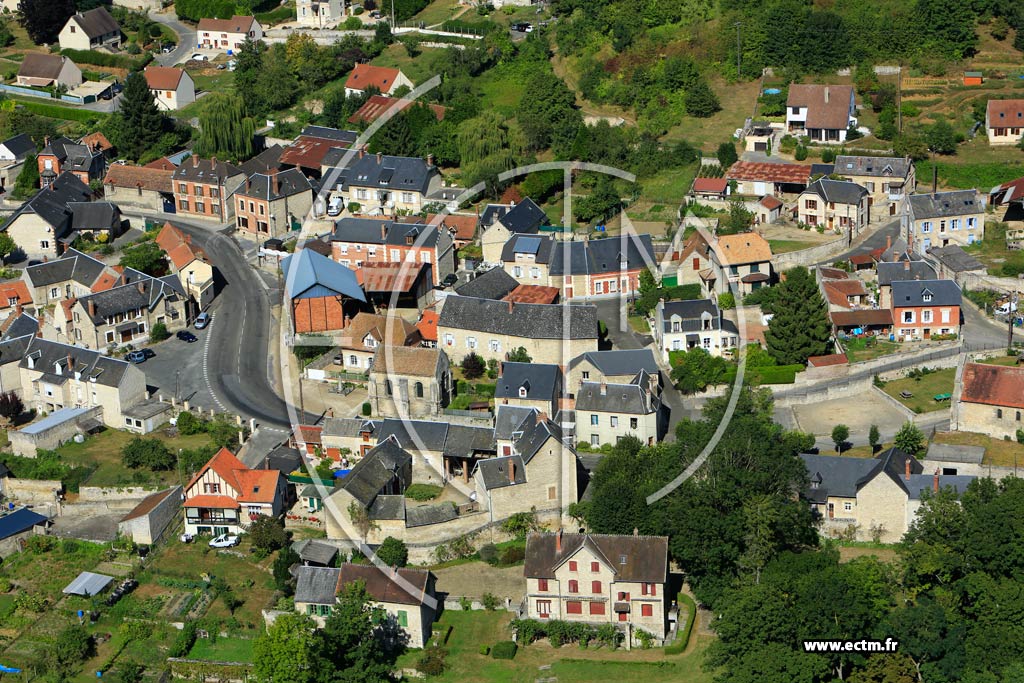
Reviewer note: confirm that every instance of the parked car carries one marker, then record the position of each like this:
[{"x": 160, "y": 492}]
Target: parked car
[
  {"x": 339, "y": 359},
  {"x": 199, "y": 57},
  {"x": 221, "y": 67},
  {"x": 202, "y": 320},
  {"x": 186, "y": 336},
  {"x": 169, "y": 48},
  {"x": 136, "y": 357},
  {"x": 334, "y": 206},
  {"x": 224, "y": 541}
]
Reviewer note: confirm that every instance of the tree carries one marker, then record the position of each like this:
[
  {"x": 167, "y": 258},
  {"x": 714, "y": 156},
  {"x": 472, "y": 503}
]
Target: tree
[
  {"x": 800, "y": 326},
  {"x": 727, "y": 155},
  {"x": 73, "y": 646},
  {"x": 11, "y": 405},
  {"x": 356, "y": 640},
  {"x": 726, "y": 301},
  {"x": 7, "y": 245},
  {"x": 225, "y": 129},
  {"x": 840, "y": 433},
  {"x": 473, "y": 365},
  {"x": 27, "y": 183},
  {"x": 941, "y": 138},
  {"x": 138, "y": 124},
  {"x": 909, "y": 439},
  {"x": 158, "y": 333},
  {"x": 147, "y": 258},
  {"x": 188, "y": 424},
  {"x": 248, "y": 66},
  {"x": 283, "y": 579},
  {"x": 519, "y": 355},
  {"x": 553, "y": 105},
  {"x": 874, "y": 437},
  {"x": 43, "y": 19},
  {"x": 600, "y": 204},
  {"x": 275, "y": 86},
  {"x": 283, "y": 653},
  {"x": 393, "y": 552},
  {"x": 149, "y": 453},
  {"x": 267, "y": 533},
  {"x": 697, "y": 370},
  {"x": 701, "y": 100},
  {"x": 361, "y": 519},
  {"x": 129, "y": 672}
]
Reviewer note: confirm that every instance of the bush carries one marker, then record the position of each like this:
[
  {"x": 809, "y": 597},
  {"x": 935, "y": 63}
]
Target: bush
[
  {"x": 505, "y": 649},
  {"x": 158, "y": 333},
  {"x": 432, "y": 662},
  {"x": 267, "y": 533},
  {"x": 185, "y": 640},
  {"x": 726, "y": 300},
  {"x": 485, "y": 650},
  {"x": 801, "y": 153},
  {"x": 488, "y": 553},
  {"x": 366, "y": 410},
  {"x": 512, "y": 555},
  {"x": 423, "y": 492},
  {"x": 188, "y": 424},
  {"x": 150, "y": 453},
  {"x": 352, "y": 24},
  {"x": 491, "y": 601},
  {"x": 473, "y": 366},
  {"x": 393, "y": 552},
  {"x": 11, "y": 405}
]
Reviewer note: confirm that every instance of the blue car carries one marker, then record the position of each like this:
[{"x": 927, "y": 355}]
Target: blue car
[
  {"x": 136, "y": 357},
  {"x": 202, "y": 320}
]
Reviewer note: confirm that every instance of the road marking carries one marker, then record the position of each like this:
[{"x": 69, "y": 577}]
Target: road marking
[{"x": 206, "y": 370}]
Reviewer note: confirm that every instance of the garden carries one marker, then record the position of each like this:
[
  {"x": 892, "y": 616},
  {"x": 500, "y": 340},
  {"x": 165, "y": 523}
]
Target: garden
[{"x": 918, "y": 389}]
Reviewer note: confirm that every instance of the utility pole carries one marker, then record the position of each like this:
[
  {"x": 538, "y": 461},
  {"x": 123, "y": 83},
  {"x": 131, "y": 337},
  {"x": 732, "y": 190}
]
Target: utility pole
[
  {"x": 737, "y": 25},
  {"x": 1011, "y": 314},
  {"x": 899, "y": 99}
]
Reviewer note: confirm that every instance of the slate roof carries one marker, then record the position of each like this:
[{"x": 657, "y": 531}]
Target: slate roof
[
  {"x": 540, "y": 381},
  {"x": 388, "y": 507},
  {"x": 535, "y": 434},
  {"x": 912, "y": 293},
  {"x": 464, "y": 440},
  {"x": 993, "y": 385},
  {"x": 383, "y": 171},
  {"x": 347, "y": 426},
  {"x": 494, "y": 284},
  {"x": 318, "y": 276},
  {"x": 639, "y": 559},
  {"x": 17, "y": 327},
  {"x": 289, "y": 183},
  {"x": 628, "y": 399},
  {"x": 94, "y": 216},
  {"x": 691, "y": 313},
  {"x": 208, "y": 171},
  {"x": 317, "y": 585},
  {"x": 139, "y": 291},
  {"x": 495, "y": 471},
  {"x": 956, "y": 259},
  {"x": 52, "y": 203},
  {"x": 376, "y": 469},
  {"x": 283, "y": 459},
  {"x": 41, "y": 65},
  {"x": 311, "y": 550},
  {"x": 418, "y": 435},
  {"x": 601, "y": 256},
  {"x": 889, "y": 272},
  {"x": 946, "y": 204},
  {"x": 423, "y": 515},
  {"x": 618, "y": 362},
  {"x": 537, "y": 321},
  {"x": 524, "y": 217},
  {"x": 509, "y": 419},
  {"x": 828, "y": 106},
  {"x": 842, "y": 476},
  {"x": 20, "y": 146},
  {"x": 264, "y": 162},
  {"x": 384, "y": 232},
  {"x": 881, "y": 167},
  {"x": 44, "y": 356},
  {"x": 838, "y": 191},
  {"x": 945, "y": 452}
]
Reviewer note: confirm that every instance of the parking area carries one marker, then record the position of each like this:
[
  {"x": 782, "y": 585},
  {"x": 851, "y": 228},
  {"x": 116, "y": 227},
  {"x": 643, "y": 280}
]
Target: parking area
[
  {"x": 819, "y": 418},
  {"x": 176, "y": 368}
]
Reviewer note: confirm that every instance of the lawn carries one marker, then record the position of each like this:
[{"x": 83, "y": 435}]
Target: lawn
[
  {"x": 1010, "y": 361},
  {"x": 437, "y": 11},
  {"x": 737, "y": 102},
  {"x": 222, "y": 649},
  {"x": 103, "y": 451},
  {"x": 419, "y": 68},
  {"x": 639, "y": 324},
  {"x": 954, "y": 174},
  {"x": 923, "y": 390},
  {"x": 857, "y": 349},
  {"x": 668, "y": 186},
  {"x": 569, "y": 663},
  {"x": 997, "y": 451},
  {"x": 786, "y": 246},
  {"x": 992, "y": 250}
]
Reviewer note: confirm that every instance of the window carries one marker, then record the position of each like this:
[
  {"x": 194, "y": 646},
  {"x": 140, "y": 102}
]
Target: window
[
  {"x": 926, "y": 316},
  {"x": 634, "y": 423},
  {"x": 614, "y": 420},
  {"x": 597, "y": 608},
  {"x": 517, "y": 271},
  {"x": 54, "y": 293},
  {"x": 812, "y": 204},
  {"x": 352, "y": 360},
  {"x": 199, "y": 190},
  {"x": 734, "y": 270},
  {"x": 954, "y": 224},
  {"x": 241, "y": 205},
  {"x": 470, "y": 342},
  {"x": 542, "y": 585},
  {"x": 403, "y": 618},
  {"x": 535, "y": 273},
  {"x": 595, "y": 586},
  {"x": 926, "y": 226},
  {"x": 552, "y": 493},
  {"x": 449, "y": 339},
  {"x": 696, "y": 263},
  {"x": 200, "y": 207},
  {"x": 595, "y": 567},
  {"x": 847, "y": 506},
  {"x": 707, "y": 342},
  {"x": 595, "y": 440},
  {"x": 945, "y": 315},
  {"x": 424, "y": 257},
  {"x": 586, "y": 374},
  {"x": 183, "y": 204},
  {"x": 647, "y": 610},
  {"x": 44, "y": 244},
  {"x": 574, "y": 607},
  {"x": 574, "y": 586},
  {"x": 419, "y": 389},
  {"x": 999, "y": 413},
  {"x": 263, "y": 209},
  {"x": 970, "y": 223},
  {"x": 325, "y": 610},
  {"x": 211, "y": 488},
  {"x": 908, "y": 316},
  {"x": 572, "y": 565},
  {"x": 387, "y": 387}
]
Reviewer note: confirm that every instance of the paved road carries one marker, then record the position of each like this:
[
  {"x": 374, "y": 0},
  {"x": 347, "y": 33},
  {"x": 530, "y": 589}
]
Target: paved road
[
  {"x": 186, "y": 38},
  {"x": 876, "y": 240}
]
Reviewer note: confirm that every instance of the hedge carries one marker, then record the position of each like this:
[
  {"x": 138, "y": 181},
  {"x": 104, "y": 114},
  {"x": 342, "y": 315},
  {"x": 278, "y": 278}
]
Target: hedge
[
  {"x": 117, "y": 61},
  {"x": 683, "y": 639},
  {"x": 777, "y": 374},
  {"x": 505, "y": 649},
  {"x": 55, "y": 111}
]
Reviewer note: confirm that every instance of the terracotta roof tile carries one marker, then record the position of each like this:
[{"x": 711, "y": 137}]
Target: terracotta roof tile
[
  {"x": 163, "y": 163},
  {"x": 828, "y": 106},
  {"x": 1005, "y": 113},
  {"x": 149, "y": 503},
  {"x": 770, "y": 202},
  {"x": 830, "y": 359},
  {"x": 236, "y": 24},
  {"x": 427, "y": 325},
  {"x": 862, "y": 318},
  {"x": 533, "y": 294},
  {"x": 710, "y": 185},
  {"x": 16, "y": 290},
  {"x": 139, "y": 176},
  {"x": 744, "y": 247},
  {"x": 389, "y": 277},
  {"x": 97, "y": 141},
  {"x": 378, "y": 104},
  {"x": 391, "y": 330},
  {"x": 993, "y": 385},
  {"x": 770, "y": 173},
  {"x": 163, "y": 77},
  {"x": 365, "y": 76}
]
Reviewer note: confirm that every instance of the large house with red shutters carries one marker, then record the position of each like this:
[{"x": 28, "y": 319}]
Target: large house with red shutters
[
  {"x": 922, "y": 309},
  {"x": 225, "y": 496}
]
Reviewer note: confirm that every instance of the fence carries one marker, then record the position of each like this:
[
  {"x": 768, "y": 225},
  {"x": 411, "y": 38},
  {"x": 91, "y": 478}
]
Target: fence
[{"x": 27, "y": 92}]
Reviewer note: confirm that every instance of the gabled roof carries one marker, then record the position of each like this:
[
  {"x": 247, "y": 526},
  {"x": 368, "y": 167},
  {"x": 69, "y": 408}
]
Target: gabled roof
[
  {"x": 163, "y": 77},
  {"x": 72, "y": 265},
  {"x": 494, "y": 284},
  {"x": 427, "y": 325},
  {"x": 509, "y": 420},
  {"x": 376, "y": 105},
  {"x": 944, "y": 204},
  {"x": 925, "y": 293},
  {"x": 18, "y": 521},
  {"x": 1005, "y": 113},
  {"x": 97, "y": 142},
  {"x": 150, "y": 502},
  {"x": 96, "y": 22},
  {"x": 496, "y": 472},
  {"x": 539, "y": 380},
  {"x": 365, "y": 76},
  {"x": 236, "y": 24},
  {"x": 20, "y": 146},
  {"x": 178, "y": 246},
  {"x": 54, "y": 358},
  {"x": 865, "y": 317},
  {"x": 392, "y": 278},
  {"x": 141, "y": 177},
  {"x": 525, "y": 217},
  {"x": 956, "y": 259},
  {"x": 388, "y": 172},
  {"x": 383, "y": 586},
  {"x": 630, "y": 399},
  {"x": 14, "y": 289},
  {"x": 539, "y": 321},
  {"x": 52, "y": 202},
  {"x": 274, "y": 186},
  {"x": 904, "y": 270},
  {"x": 793, "y": 174},
  {"x": 741, "y": 248},
  {"x": 389, "y": 330},
  {"x": 636, "y": 559},
  {"x": 619, "y": 362},
  {"x": 717, "y": 185},
  {"x": 828, "y": 106},
  {"x": 137, "y": 291},
  {"x": 249, "y": 486},
  {"x": 880, "y": 167},
  {"x": 209, "y": 171},
  {"x": 384, "y": 231},
  {"x": 317, "y": 585},
  {"x": 993, "y": 385},
  {"x": 837, "y": 191},
  {"x": 317, "y": 276},
  {"x": 536, "y": 433},
  {"x": 1010, "y": 191},
  {"x": 406, "y": 360},
  {"x": 376, "y": 469},
  {"x": 42, "y": 65},
  {"x": 95, "y": 216}
]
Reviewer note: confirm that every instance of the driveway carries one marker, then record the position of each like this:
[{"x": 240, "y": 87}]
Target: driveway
[{"x": 186, "y": 38}]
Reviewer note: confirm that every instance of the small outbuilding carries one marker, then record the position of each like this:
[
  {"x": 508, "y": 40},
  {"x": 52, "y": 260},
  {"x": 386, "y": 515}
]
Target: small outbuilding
[
  {"x": 148, "y": 520},
  {"x": 88, "y": 584}
]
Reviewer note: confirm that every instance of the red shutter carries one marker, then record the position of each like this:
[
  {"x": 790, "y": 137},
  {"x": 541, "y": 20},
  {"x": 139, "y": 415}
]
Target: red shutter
[
  {"x": 595, "y": 586},
  {"x": 572, "y": 565},
  {"x": 574, "y": 607},
  {"x": 654, "y": 589},
  {"x": 542, "y": 585},
  {"x": 643, "y": 589},
  {"x": 574, "y": 586},
  {"x": 595, "y": 567},
  {"x": 623, "y": 616},
  {"x": 647, "y": 610},
  {"x": 597, "y": 608}
]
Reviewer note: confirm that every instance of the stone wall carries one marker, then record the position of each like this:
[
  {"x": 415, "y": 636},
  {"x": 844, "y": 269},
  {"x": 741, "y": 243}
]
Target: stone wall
[
  {"x": 31, "y": 490},
  {"x": 131, "y": 494}
]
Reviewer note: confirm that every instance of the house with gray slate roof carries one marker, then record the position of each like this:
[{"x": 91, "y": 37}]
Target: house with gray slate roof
[
  {"x": 492, "y": 329},
  {"x": 94, "y": 29},
  {"x": 383, "y": 185},
  {"x": 532, "y": 385},
  {"x": 837, "y": 205},
  {"x": 501, "y": 223},
  {"x": 888, "y": 180},
  {"x": 356, "y": 241},
  {"x": 922, "y": 309},
  {"x": 42, "y": 226},
  {"x": 878, "y": 498},
  {"x": 494, "y": 284},
  {"x": 619, "y": 366},
  {"x": 889, "y": 272},
  {"x": 693, "y": 324},
  {"x": 939, "y": 219},
  {"x": 73, "y": 275},
  {"x": 607, "y": 412}
]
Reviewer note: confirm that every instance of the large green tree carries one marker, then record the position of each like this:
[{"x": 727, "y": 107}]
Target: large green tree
[
  {"x": 549, "y": 106},
  {"x": 27, "y": 183},
  {"x": 284, "y": 652},
  {"x": 226, "y": 131},
  {"x": 43, "y": 19},
  {"x": 800, "y": 327},
  {"x": 138, "y": 124},
  {"x": 358, "y": 642}
]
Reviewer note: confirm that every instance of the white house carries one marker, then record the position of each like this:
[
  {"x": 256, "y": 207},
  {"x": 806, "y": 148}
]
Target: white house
[
  {"x": 91, "y": 30},
  {"x": 226, "y": 495},
  {"x": 821, "y": 112},
  {"x": 685, "y": 325},
  {"x": 172, "y": 88},
  {"x": 227, "y": 35}
]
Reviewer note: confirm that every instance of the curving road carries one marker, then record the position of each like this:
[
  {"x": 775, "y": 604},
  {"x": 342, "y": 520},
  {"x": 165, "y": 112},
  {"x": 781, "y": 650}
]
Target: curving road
[{"x": 186, "y": 38}]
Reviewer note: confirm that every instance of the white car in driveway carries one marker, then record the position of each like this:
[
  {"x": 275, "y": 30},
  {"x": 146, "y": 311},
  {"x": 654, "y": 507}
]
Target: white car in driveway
[
  {"x": 224, "y": 541},
  {"x": 199, "y": 57}
]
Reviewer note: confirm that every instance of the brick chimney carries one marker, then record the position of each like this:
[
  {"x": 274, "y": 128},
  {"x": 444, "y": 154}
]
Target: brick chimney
[
  {"x": 888, "y": 242},
  {"x": 511, "y": 305},
  {"x": 362, "y": 151},
  {"x": 92, "y": 308},
  {"x": 274, "y": 184},
  {"x": 906, "y": 469},
  {"x": 383, "y": 231},
  {"x": 18, "y": 308},
  {"x": 604, "y": 388},
  {"x": 380, "y": 157},
  {"x": 248, "y": 184},
  {"x": 906, "y": 265},
  {"x": 70, "y": 364},
  {"x": 935, "y": 481},
  {"x": 141, "y": 287},
  {"x": 558, "y": 540},
  {"x": 511, "y": 471},
  {"x": 541, "y": 417},
  {"x": 195, "y": 161}
]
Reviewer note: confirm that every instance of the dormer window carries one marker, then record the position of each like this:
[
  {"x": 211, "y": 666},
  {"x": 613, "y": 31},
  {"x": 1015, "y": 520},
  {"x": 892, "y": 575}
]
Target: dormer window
[
  {"x": 926, "y": 296},
  {"x": 522, "y": 392}
]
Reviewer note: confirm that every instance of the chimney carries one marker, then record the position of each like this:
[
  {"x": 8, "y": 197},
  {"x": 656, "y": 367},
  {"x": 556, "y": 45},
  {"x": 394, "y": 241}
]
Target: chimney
[
  {"x": 141, "y": 287},
  {"x": 826, "y": 94},
  {"x": 541, "y": 417},
  {"x": 248, "y": 184},
  {"x": 511, "y": 471},
  {"x": 380, "y": 157},
  {"x": 604, "y": 388},
  {"x": 888, "y": 242},
  {"x": 383, "y": 231},
  {"x": 935, "y": 482},
  {"x": 92, "y": 308},
  {"x": 511, "y": 305},
  {"x": 906, "y": 469},
  {"x": 70, "y": 365},
  {"x": 46, "y": 141},
  {"x": 501, "y": 368},
  {"x": 274, "y": 184},
  {"x": 195, "y": 161},
  {"x": 18, "y": 309},
  {"x": 362, "y": 152},
  {"x": 558, "y": 540},
  {"x": 906, "y": 265},
  {"x": 430, "y": 160},
  {"x": 935, "y": 181}
]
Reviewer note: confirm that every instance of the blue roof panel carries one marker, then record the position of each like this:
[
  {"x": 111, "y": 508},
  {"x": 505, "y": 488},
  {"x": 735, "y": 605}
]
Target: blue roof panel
[
  {"x": 316, "y": 276},
  {"x": 19, "y": 521}
]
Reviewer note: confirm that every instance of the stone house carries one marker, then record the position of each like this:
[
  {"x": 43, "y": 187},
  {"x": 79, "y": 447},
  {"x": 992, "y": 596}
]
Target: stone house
[
  {"x": 691, "y": 324},
  {"x": 352, "y": 434},
  {"x": 376, "y": 484},
  {"x": 405, "y": 594},
  {"x": 991, "y": 401},
  {"x": 271, "y": 204},
  {"x": 409, "y": 382},
  {"x": 893, "y": 271},
  {"x": 323, "y": 295},
  {"x": 607, "y": 412},
  {"x": 940, "y": 219},
  {"x": 599, "y": 579},
  {"x": 440, "y": 451},
  {"x": 757, "y": 179},
  {"x": 127, "y": 312},
  {"x": 202, "y": 187},
  {"x": 523, "y": 218},
  {"x": 531, "y": 385},
  {"x": 94, "y": 29},
  {"x": 172, "y": 88},
  {"x": 320, "y": 13},
  {"x": 695, "y": 266},
  {"x": 369, "y": 331},
  {"x": 552, "y": 334},
  {"x": 385, "y": 185},
  {"x": 42, "y": 226},
  {"x": 877, "y": 499},
  {"x": 140, "y": 187},
  {"x": 615, "y": 366},
  {"x": 146, "y": 522},
  {"x": 227, "y": 35},
  {"x": 888, "y": 180},
  {"x": 821, "y": 112},
  {"x": 743, "y": 259},
  {"x": 73, "y": 275},
  {"x": 837, "y": 205},
  {"x": 225, "y": 496}
]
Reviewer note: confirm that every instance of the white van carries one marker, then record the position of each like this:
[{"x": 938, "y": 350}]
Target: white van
[
  {"x": 1006, "y": 309},
  {"x": 334, "y": 206}
]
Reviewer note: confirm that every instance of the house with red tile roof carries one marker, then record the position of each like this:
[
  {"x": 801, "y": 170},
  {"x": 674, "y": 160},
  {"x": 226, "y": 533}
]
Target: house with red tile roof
[
  {"x": 1004, "y": 121},
  {"x": 14, "y": 296},
  {"x": 710, "y": 188},
  {"x": 991, "y": 401},
  {"x": 172, "y": 88},
  {"x": 376, "y": 105},
  {"x": 225, "y": 496},
  {"x": 758, "y": 178},
  {"x": 427, "y": 326},
  {"x": 384, "y": 79},
  {"x": 821, "y": 112},
  {"x": 227, "y": 35},
  {"x": 769, "y": 210},
  {"x": 190, "y": 265}
]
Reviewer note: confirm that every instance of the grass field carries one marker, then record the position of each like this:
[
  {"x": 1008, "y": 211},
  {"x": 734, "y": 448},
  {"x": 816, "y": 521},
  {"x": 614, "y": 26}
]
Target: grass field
[
  {"x": 569, "y": 663},
  {"x": 857, "y": 349},
  {"x": 419, "y": 68},
  {"x": 786, "y": 246},
  {"x": 959, "y": 173},
  {"x": 992, "y": 250},
  {"x": 437, "y": 11},
  {"x": 737, "y": 104},
  {"x": 923, "y": 389},
  {"x": 222, "y": 650},
  {"x": 998, "y": 452},
  {"x": 103, "y": 451},
  {"x": 669, "y": 186}
]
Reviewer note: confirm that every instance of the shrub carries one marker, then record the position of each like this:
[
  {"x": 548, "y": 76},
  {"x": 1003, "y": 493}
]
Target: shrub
[
  {"x": 726, "y": 300},
  {"x": 185, "y": 640},
  {"x": 485, "y": 650},
  {"x": 267, "y": 533},
  {"x": 11, "y": 405},
  {"x": 505, "y": 649},
  {"x": 188, "y": 424},
  {"x": 488, "y": 553},
  {"x": 432, "y": 662},
  {"x": 158, "y": 333},
  {"x": 366, "y": 410},
  {"x": 423, "y": 492},
  {"x": 801, "y": 153},
  {"x": 473, "y": 366},
  {"x": 352, "y": 24},
  {"x": 491, "y": 601},
  {"x": 354, "y": 207},
  {"x": 393, "y": 552},
  {"x": 5, "y": 585},
  {"x": 512, "y": 555}
]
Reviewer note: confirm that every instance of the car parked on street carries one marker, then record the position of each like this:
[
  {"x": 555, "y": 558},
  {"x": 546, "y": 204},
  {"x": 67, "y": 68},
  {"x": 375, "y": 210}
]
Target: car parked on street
[
  {"x": 136, "y": 357},
  {"x": 202, "y": 320},
  {"x": 186, "y": 336},
  {"x": 224, "y": 541}
]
